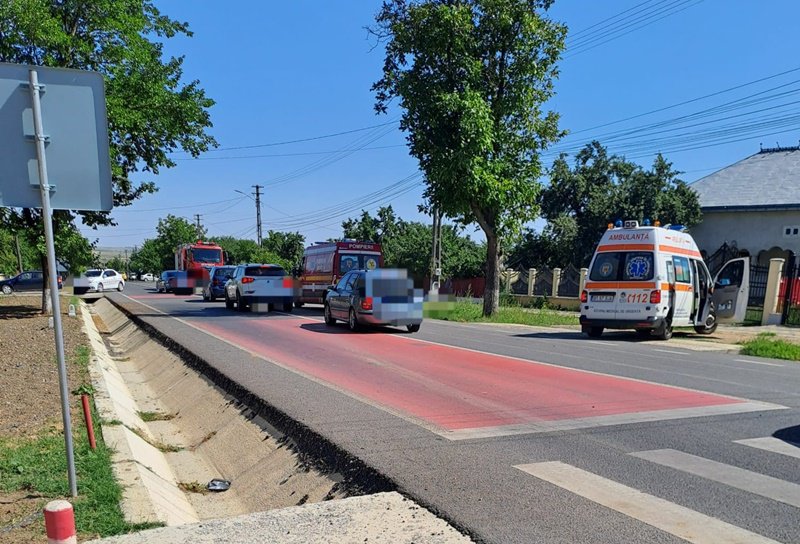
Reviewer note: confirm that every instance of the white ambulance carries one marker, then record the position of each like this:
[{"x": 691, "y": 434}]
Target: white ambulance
[{"x": 653, "y": 278}]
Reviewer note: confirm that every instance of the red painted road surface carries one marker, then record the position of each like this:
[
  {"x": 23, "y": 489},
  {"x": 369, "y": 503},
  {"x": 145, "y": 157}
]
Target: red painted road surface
[{"x": 447, "y": 387}]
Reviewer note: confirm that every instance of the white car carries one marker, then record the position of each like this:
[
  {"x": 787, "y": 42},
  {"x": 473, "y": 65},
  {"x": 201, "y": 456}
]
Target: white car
[
  {"x": 147, "y": 277},
  {"x": 102, "y": 280}
]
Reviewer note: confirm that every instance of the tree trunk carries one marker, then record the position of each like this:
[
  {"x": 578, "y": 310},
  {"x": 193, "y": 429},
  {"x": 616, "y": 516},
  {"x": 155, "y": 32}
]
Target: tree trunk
[
  {"x": 491, "y": 294},
  {"x": 47, "y": 301}
]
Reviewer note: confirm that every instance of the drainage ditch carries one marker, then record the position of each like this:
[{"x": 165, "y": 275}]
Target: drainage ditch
[{"x": 209, "y": 427}]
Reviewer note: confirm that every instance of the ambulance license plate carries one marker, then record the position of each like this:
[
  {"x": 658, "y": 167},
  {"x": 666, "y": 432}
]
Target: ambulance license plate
[{"x": 602, "y": 298}]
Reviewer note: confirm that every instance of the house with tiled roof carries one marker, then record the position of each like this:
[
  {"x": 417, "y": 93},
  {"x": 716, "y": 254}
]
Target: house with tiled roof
[{"x": 753, "y": 205}]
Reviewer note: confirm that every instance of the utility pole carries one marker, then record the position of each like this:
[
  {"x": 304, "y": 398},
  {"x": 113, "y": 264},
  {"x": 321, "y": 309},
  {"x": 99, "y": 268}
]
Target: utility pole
[
  {"x": 258, "y": 211},
  {"x": 199, "y": 227},
  {"x": 436, "y": 252}
]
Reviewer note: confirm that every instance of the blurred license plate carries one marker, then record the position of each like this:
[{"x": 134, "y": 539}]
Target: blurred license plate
[{"x": 602, "y": 298}]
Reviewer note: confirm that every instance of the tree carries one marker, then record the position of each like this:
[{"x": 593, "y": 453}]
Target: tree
[
  {"x": 147, "y": 258},
  {"x": 472, "y": 77},
  {"x": 239, "y": 250},
  {"x": 151, "y": 112},
  {"x": 601, "y": 188},
  {"x": 158, "y": 254},
  {"x": 288, "y": 246},
  {"x": 371, "y": 229}
]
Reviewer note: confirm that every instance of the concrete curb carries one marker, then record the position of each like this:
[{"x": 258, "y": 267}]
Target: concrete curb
[{"x": 150, "y": 489}]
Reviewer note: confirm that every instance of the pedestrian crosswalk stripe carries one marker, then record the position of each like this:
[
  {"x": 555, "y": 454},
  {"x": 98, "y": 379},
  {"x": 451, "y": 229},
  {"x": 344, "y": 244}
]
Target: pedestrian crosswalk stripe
[
  {"x": 746, "y": 480},
  {"x": 672, "y": 518},
  {"x": 772, "y": 444}
]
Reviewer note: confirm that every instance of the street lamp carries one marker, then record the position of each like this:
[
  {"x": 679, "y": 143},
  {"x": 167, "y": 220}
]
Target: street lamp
[{"x": 257, "y": 200}]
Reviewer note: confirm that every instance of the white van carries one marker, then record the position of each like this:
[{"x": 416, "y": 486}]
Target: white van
[{"x": 652, "y": 278}]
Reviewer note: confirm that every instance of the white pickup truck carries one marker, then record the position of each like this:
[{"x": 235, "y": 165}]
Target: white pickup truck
[{"x": 255, "y": 285}]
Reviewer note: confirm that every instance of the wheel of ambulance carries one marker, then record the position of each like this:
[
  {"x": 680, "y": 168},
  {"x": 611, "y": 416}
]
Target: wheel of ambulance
[
  {"x": 665, "y": 331},
  {"x": 413, "y": 328},
  {"x": 228, "y": 302},
  {"x": 593, "y": 332},
  {"x": 287, "y": 307},
  {"x": 352, "y": 321},
  {"x": 644, "y": 333},
  {"x": 329, "y": 319},
  {"x": 120, "y": 286},
  {"x": 711, "y": 322},
  {"x": 7, "y": 290},
  {"x": 99, "y": 287}
]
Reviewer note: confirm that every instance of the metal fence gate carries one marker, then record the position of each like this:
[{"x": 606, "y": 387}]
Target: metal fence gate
[
  {"x": 789, "y": 293},
  {"x": 758, "y": 292}
]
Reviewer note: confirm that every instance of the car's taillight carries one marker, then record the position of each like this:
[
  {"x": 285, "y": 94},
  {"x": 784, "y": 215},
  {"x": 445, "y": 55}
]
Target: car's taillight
[
  {"x": 366, "y": 303},
  {"x": 655, "y": 297},
  {"x": 247, "y": 279},
  {"x": 584, "y": 296},
  {"x": 288, "y": 283}
]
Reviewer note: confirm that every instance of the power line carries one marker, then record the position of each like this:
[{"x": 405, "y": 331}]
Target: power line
[{"x": 302, "y": 154}]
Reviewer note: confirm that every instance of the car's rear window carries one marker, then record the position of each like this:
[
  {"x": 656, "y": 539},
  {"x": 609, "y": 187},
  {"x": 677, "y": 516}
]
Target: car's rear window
[
  {"x": 622, "y": 266},
  {"x": 264, "y": 271},
  {"x": 92, "y": 273}
]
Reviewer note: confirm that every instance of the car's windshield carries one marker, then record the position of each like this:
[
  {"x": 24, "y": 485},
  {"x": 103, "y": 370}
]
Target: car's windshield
[
  {"x": 92, "y": 273},
  {"x": 207, "y": 255}
]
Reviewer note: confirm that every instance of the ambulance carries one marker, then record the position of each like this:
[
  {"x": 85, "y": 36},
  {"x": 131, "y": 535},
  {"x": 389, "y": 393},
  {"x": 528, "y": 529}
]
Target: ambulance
[{"x": 652, "y": 279}]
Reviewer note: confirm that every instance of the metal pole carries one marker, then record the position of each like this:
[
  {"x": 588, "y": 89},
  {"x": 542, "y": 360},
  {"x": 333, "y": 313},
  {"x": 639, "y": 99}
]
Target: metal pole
[
  {"x": 258, "y": 212},
  {"x": 436, "y": 252},
  {"x": 47, "y": 218},
  {"x": 19, "y": 253}
]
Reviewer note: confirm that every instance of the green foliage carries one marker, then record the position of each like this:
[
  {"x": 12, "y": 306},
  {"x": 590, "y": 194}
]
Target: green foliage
[
  {"x": 151, "y": 111},
  {"x": 470, "y": 312},
  {"x": 117, "y": 263},
  {"x": 158, "y": 254},
  {"x": 601, "y": 188},
  {"x": 766, "y": 345},
  {"x": 471, "y": 78},
  {"x": 371, "y": 229},
  {"x": 239, "y": 250},
  {"x": 8, "y": 253},
  {"x": 288, "y": 246}
]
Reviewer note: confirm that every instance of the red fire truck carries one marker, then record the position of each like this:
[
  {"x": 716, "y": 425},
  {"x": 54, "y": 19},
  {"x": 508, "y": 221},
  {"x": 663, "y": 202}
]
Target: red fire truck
[
  {"x": 193, "y": 261},
  {"x": 325, "y": 263}
]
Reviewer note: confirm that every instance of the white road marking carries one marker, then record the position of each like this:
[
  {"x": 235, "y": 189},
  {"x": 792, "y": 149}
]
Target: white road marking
[
  {"x": 600, "y": 342},
  {"x": 746, "y": 480},
  {"x": 670, "y": 351},
  {"x": 773, "y": 445},
  {"x": 758, "y": 362},
  {"x": 674, "y": 519}
]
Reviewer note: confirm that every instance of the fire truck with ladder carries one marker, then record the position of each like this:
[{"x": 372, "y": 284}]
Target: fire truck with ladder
[{"x": 193, "y": 262}]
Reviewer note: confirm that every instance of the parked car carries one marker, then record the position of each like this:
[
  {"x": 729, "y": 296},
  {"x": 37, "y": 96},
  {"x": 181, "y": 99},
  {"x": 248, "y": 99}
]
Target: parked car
[
  {"x": 30, "y": 280},
  {"x": 218, "y": 277},
  {"x": 147, "y": 277},
  {"x": 259, "y": 284},
  {"x": 374, "y": 297},
  {"x": 167, "y": 282},
  {"x": 100, "y": 280}
]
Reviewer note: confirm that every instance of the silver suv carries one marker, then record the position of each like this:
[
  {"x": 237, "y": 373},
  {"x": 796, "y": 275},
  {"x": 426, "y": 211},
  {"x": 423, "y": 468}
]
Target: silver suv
[{"x": 252, "y": 285}]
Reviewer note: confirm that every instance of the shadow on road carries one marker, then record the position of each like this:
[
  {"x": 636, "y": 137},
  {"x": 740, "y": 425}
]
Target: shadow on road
[
  {"x": 322, "y": 328},
  {"x": 790, "y": 435}
]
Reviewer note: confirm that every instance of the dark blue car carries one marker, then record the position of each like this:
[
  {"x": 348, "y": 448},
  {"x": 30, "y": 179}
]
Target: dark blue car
[
  {"x": 218, "y": 277},
  {"x": 30, "y": 280}
]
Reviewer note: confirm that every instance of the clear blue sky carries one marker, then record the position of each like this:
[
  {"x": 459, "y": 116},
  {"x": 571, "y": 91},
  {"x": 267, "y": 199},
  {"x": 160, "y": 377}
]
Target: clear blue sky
[{"x": 283, "y": 71}]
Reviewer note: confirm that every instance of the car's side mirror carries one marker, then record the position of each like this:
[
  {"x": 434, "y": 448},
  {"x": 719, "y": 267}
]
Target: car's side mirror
[{"x": 331, "y": 288}]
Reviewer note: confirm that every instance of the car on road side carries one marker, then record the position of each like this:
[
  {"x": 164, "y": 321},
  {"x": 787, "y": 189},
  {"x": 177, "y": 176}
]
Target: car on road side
[
  {"x": 147, "y": 277},
  {"x": 30, "y": 280},
  {"x": 217, "y": 278},
  {"x": 167, "y": 282},
  {"x": 374, "y": 297},
  {"x": 100, "y": 280},
  {"x": 256, "y": 284}
]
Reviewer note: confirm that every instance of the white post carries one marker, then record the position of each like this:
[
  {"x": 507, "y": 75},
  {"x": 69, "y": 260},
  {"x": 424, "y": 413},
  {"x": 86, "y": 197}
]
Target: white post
[
  {"x": 556, "y": 281},
  {"x": 770, "y": 314},
  {"x": 531, "y": 280},
  {"x": 509, "y": 274},
  {"x": 582, "y": 286},
  {"x": 47, "y": 218}
]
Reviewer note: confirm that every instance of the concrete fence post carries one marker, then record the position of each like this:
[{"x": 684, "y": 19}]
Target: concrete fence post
[
  {"x": 770, "y": 315},
  {"x": 531, "y": 280},
  {"x": 509, "y": 274},
  {"x": 582, "y": 281},
  {"x": 556, "y": 281}
]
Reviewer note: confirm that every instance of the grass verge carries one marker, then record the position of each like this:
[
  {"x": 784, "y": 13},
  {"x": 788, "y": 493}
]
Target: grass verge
[
  {"x": 39, "y": 466},
  {"x": 469, "y": 312},
  {"x": 766, "y": 345}
]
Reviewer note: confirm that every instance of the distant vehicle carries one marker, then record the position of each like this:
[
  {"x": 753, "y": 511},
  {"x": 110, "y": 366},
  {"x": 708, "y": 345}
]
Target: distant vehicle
[
  {"x": 194, "y": 261},
  {"x": 99, "y": 280},
  {"x": 364, "y": 297},
  {"x": 217, "y": 279},
  {"x": 147, "y": 277},
  {"x": 167, "y": 281},
  {"x": 653, "y": 278},
  {"x": 325, "y": 263},
  {"x": 259, "y": 284},
  {"x": 30, "y": 280}
]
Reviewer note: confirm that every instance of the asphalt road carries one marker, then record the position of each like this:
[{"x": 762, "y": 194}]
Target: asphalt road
[{"x": 527, "y": 435}]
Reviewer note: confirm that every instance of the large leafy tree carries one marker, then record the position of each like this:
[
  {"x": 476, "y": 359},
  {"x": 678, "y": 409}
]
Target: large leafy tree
[
  {"x": 600, "y": 188},
  {"x": 371, "y": 229},
  {"x": 151, "y": 111},
  {"x": 158, "y": 254},
  {"x": 471, "y": 77},
  {"x": 288, "y": 246}
]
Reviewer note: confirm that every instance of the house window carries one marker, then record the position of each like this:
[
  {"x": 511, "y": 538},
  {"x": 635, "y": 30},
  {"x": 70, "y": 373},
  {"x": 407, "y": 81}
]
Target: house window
[{"x": 791, "y": 231}]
